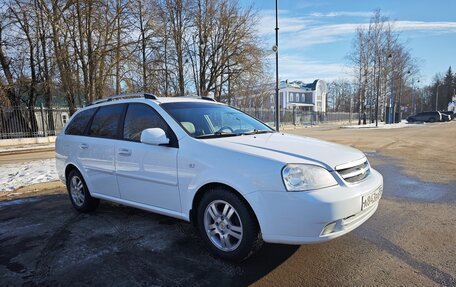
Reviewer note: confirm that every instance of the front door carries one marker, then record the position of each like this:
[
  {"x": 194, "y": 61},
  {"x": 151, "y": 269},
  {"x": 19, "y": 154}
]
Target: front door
[{"x": 147, "y": 174}]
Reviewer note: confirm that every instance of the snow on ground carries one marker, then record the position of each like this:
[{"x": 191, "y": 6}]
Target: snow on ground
[
  {"x": 15, "y": 175},
  {"x": 381, "y": 125}
]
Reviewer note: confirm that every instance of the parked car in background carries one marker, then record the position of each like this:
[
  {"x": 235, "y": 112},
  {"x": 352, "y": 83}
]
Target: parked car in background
[
  {"x": 433, "y": 116},
  {"x": 445, "y": 117},
  {"x": 236, "y": 179},
  {"x": 450, "y": 114}
]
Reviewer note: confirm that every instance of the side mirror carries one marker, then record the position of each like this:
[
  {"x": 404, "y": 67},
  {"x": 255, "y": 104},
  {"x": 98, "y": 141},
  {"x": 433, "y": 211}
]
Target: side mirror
[{"x": 154, "y": 136}]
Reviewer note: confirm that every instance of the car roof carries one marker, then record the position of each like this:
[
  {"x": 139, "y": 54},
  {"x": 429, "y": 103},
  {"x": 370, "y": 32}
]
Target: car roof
[
  {"x": 158, "y": 100},
  {"x": 163, "y": 100}
]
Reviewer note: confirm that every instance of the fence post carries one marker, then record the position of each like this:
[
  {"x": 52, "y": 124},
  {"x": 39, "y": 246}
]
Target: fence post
[
  {"x": 42, "y": 120},
  {"x": 3, "y": 130},
  {"x": 294, "y": 115}
]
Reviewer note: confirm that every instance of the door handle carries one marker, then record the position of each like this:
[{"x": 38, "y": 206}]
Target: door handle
[
  {"x": 124, "y": 152},
  {"x": 84, "y": 146}
]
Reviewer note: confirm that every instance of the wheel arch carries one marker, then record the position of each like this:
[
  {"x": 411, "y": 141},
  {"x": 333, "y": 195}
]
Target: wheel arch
[
  {"x": 207, "y": 187},
  {"x": 69, "y": 167}
]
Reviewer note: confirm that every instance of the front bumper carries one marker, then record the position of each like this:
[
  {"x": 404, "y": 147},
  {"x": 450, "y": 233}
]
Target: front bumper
[{"x": 301, "y": 217}]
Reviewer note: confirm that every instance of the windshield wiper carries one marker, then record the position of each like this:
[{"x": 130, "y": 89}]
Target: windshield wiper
[
  {"x": 216, "y": 135},
  {"x": 223, "y": 134},
  {"x": 255, "y": 132}
]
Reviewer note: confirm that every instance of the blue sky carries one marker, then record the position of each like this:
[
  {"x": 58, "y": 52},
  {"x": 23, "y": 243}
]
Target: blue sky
[{"x": 316, "y": 36}]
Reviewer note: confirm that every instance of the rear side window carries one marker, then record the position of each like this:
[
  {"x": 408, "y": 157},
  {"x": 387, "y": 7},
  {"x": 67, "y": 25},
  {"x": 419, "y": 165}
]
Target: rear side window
[
  {"x": 140, "y": 117},
  {"x": 105, "y": 123},
  {"x": 78, "y": 125}
]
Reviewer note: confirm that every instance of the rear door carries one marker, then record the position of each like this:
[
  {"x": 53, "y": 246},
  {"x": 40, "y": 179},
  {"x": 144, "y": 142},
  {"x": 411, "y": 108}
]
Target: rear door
[
  {"x": 71, "y": 145},
  {"x": 147, "y": 174},
  {"x": 99, "y": 146}
]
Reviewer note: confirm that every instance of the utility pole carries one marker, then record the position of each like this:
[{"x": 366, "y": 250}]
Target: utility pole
[
  {"x": 391, "y": 99},
  {"x": 437, "y": 97},
  {"x": 350, "y": 113},
  {"x": 277, "y": 112},
  {"x": 378, "y": 92}
]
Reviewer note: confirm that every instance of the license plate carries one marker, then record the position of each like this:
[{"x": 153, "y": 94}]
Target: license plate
[{"x": 372, "y": 198}]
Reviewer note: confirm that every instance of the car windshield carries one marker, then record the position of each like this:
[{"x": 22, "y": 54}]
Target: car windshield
[{"x": 208, "y": 120}]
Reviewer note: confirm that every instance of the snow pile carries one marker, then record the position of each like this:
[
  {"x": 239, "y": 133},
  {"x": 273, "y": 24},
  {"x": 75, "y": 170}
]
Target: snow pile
[
  {"x": 381, "y": 125},
  {"x": 16, "y": 175}
]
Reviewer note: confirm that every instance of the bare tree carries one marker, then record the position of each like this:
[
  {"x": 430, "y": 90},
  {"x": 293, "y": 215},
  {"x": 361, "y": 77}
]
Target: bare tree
[
  {"x": 379, "y": 59},
  {"x": 78, "y": 51}
]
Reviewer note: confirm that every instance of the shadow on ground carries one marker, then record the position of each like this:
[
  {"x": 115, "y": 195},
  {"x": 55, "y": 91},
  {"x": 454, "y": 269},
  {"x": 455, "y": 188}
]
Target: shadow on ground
[{"x": 44, "y": 242}]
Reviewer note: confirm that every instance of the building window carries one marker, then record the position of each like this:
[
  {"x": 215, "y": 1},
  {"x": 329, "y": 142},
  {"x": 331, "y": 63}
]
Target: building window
[{"x": 309, "y": 98}]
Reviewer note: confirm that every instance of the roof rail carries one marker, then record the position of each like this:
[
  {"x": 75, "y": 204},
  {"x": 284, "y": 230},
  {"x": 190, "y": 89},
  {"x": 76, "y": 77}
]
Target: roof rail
[
  {"x": 208, "y": 99},
  {"x": 198, "y": 97},
  {"x": 125, "y": 96}
]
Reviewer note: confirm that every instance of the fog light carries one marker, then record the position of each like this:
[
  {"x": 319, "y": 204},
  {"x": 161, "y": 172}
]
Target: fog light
[{"x": 329, "y": 228}]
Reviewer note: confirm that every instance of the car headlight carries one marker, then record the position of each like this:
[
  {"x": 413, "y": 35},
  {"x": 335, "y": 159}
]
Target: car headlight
[{"x": 301, "y": 177}]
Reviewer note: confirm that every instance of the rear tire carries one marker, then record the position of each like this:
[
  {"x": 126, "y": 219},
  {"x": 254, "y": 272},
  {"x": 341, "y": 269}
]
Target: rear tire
[
  {"x": 228, "y": 225},
  {"x": 79, "y": 194}
]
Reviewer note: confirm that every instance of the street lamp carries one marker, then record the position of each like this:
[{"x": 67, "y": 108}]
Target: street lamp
[
  {"x": 277, "y": 113},
  {"x": 413, "y": 97}
]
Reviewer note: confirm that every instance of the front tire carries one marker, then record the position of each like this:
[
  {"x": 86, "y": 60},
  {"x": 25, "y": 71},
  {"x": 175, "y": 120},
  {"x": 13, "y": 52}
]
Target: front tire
[
  {"x": 227, "y": 225},
  {"x": 79, "y": 194}
]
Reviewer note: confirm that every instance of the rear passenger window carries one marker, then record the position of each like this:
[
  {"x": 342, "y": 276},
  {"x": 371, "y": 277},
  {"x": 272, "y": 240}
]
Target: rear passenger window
[
  {"x": 78, "y": 125},
  {"x": 140, "y": 117},
  {"x": 105, "y": 123}
]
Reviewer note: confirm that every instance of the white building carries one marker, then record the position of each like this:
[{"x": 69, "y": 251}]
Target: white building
[
  {"x": 296, "y": 94},
  {"x": 312, "y": 97}
]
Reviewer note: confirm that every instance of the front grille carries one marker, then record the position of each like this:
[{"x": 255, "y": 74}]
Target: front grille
[{"x": 354, "y": 173}]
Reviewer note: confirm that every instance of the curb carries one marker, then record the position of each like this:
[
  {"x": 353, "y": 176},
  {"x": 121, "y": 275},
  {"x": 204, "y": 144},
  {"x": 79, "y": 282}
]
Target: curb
[{"x": 26, "y": 150}]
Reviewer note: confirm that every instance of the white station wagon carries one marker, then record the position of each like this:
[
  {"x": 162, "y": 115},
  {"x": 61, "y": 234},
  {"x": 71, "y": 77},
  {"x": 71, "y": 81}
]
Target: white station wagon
[{"x": 236, "y": 179}]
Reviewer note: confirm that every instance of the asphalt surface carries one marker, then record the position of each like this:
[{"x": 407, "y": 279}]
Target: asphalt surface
[
  {"x": 43, "y": 241},
  {"x": 409, "y": 241}
]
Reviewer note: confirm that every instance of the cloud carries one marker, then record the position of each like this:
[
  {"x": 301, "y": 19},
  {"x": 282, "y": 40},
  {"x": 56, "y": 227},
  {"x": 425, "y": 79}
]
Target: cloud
[
  {"x": 300, "y": 32},
  {"x": 366, "y": 14},
  {"x": 287, "y": 23},
  {"x": 422, "y": 26},
  {"x": 334, "y": 32},
  {"x": 293, "y": 67},
  {"x": 319, "y": 35}
]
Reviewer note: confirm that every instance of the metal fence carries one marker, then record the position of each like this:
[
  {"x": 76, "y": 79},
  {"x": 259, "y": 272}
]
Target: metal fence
[
  {"x": 305, "y": 118},
  {"x": 26, "y": 122}
]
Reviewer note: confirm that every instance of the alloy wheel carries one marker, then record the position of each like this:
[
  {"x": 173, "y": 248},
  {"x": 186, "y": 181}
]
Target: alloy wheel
[
  {"x": 223, "y": 225},
  {"x": 77, "y": 191}
]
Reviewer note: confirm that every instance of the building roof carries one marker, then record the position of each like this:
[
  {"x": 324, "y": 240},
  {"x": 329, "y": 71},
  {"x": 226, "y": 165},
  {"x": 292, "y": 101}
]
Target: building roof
[{"x": 301, "y": 85}]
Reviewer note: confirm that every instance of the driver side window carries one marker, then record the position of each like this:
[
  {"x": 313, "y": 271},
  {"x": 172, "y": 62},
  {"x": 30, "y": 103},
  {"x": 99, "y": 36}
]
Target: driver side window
[{"x": 140, "y": 117}]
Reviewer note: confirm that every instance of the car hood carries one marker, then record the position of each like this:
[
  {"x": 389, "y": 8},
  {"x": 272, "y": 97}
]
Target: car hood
[{"x": 288, "y": 148}]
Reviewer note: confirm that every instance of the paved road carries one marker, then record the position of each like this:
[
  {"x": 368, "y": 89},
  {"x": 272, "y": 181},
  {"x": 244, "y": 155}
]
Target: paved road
[{"x": 409, "y": 241}]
